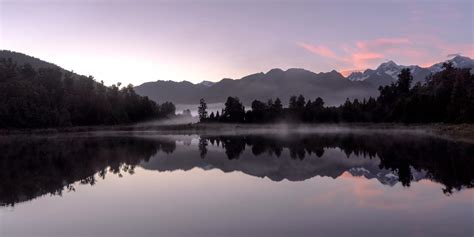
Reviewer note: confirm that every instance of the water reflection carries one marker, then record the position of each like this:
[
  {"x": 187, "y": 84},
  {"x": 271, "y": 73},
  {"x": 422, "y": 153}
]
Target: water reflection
[
  {"x": 443, "y": 161},
  {"x": 33, "y": 167}
]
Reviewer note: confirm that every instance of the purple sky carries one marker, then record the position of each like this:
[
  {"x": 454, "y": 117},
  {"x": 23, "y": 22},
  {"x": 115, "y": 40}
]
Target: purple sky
[{"x": 139, "y": 41}]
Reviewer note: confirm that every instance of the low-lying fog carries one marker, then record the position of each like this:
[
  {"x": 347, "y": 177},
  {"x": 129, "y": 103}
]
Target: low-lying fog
[{"x": 211, "y": 107}]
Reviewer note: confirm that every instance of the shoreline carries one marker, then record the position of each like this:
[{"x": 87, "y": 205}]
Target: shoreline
[{"x": 458, "y": 132}]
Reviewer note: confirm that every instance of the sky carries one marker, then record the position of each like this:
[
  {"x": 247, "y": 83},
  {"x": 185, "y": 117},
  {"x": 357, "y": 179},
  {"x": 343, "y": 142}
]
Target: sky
[{"x": 133, "y": 42}]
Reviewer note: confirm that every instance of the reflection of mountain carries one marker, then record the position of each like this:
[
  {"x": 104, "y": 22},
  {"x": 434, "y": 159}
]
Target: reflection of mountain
[
  {"x": 32, "y": 167},
  {"x": 387, "y": 158},
  {"x": 384, "y": 176},
  {"x": 332, "y": 164}
]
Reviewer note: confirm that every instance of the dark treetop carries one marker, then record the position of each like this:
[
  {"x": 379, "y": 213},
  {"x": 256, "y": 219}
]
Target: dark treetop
[{"x": 447, "y": 96}]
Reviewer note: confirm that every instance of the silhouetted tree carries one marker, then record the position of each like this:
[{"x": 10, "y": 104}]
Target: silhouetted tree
[
  {"x": 187, "y": 113},
  {"x": 234, "y": 111},
  {"x": 447, "y": 96},
  {"x": 202, "y": 110},
  {"x": 167, "y": 109}
]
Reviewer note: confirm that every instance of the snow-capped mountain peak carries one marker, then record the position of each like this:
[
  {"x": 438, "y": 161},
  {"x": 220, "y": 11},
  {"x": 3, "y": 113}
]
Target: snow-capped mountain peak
[
  {"x": 458, "y": 61},
  {"x": 387, "y": 65},
  {"x": 388, "y": 72},
  {"x": 207, "y": 83},
  {"x": 357, "y": 76},
  {"x": 390, "y": 68}
]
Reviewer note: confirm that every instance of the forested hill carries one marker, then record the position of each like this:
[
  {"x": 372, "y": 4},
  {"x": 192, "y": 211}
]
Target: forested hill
[
  {"x": 20, "y": 59},
  {"x": 37, "y": 94}
]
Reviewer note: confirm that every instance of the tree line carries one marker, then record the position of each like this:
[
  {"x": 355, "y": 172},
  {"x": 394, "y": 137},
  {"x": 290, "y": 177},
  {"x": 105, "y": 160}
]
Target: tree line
[
  {"x": 52, "y": 97},
  {"x": 447, "y": 96},
  {"x": 445, "y": 161}
]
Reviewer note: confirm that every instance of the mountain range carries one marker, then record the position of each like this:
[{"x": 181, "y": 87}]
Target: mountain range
[
  {"x": 332, "y": 86},
  {"x": 388, "y": 72},
  {"x": 262, "y": 86}
]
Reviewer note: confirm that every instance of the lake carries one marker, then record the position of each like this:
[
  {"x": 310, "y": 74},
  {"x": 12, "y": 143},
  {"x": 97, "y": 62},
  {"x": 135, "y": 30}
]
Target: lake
[{"x": 290, "y": 184}]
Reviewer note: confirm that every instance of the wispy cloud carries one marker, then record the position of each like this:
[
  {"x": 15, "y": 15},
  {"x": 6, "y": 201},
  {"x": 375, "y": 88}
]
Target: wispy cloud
[
  {"x": 364, "y": 54},
  {"x": 320, "y": 50},
  {"x": 382, "y": 43},
  {"x": 452, "y": 55},
  {"x": 360, "y": 55}
]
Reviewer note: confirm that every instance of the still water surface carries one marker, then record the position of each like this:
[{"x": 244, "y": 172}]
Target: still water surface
[{"x": 252, "y": 185}]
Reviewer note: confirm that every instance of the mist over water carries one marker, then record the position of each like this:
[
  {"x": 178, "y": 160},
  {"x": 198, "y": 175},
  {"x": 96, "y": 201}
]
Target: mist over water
[
  {"x": 324, "y": 118},
  {"x": 211, "y": 108},
  {"x": 288, "y": 183}
]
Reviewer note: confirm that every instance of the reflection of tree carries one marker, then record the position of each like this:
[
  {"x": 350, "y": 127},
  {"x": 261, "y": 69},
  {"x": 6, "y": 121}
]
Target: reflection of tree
[
  {"x": 168, "y": 147},
  {"x": 447, "y": 162},
  {"x": 37, "y": 166},
  {"x": 261, "y": 145},
  {"x": 234, "y": 146},
  {"x": 203, "y": 147}
]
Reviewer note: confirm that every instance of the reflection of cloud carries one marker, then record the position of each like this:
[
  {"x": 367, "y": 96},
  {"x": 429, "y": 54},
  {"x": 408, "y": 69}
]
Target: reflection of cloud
[
  {"x": 363, "y": 192},
  {"x": 369, "y": 193}
]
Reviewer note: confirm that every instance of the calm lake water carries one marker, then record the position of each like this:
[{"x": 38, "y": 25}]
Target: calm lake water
[{"x": 253, "y": 185}]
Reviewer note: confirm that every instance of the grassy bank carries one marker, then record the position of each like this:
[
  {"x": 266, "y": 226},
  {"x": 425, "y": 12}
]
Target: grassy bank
[{"x": 461, "y": 132}]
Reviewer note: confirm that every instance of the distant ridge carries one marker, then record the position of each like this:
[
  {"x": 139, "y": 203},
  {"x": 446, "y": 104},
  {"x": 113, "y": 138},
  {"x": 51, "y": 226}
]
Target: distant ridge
[
  {"x": 387, "y": 72},
  {"x": 333, "y": 87}
]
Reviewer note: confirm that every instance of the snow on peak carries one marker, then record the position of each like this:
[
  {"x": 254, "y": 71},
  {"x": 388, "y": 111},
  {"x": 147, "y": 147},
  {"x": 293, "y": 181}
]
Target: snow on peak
[
  {"x": 207, "y": 83},
  {"x": 391, "y": 69},
  {"x": 388, "y": 65},
  {"x": 458, "y": 61},
  {"x": 357, "y": 76}
]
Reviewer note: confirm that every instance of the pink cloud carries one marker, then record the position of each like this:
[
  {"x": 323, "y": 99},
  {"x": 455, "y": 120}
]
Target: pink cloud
[
  {"x": 365, "y": 59},
  {"x": 360, "y": 55},
  {"x": 382, "y": 43},
  {"x": 369, "y": 53},
  {"x": 319, "y": 49}
]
